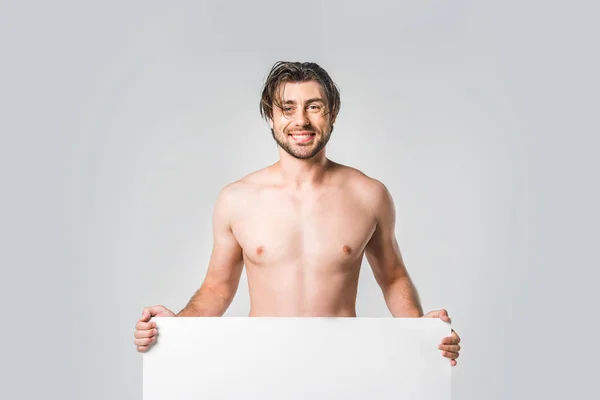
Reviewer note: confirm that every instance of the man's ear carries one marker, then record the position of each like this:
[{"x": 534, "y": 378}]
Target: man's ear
[{"x": 271, "y": 122}]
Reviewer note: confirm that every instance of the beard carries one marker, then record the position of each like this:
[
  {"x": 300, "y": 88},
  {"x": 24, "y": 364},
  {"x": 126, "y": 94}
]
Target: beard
[{"x": 300, "y": 151}]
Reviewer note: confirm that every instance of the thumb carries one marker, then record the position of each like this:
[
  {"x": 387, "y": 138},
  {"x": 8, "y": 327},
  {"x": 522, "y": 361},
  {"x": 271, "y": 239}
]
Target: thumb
[
  {"x": 443, "y": 314},
  {"x": 145, "y": 315},
  {"x": 155, "y": 311},
  {"x": 150, "y": 312}
]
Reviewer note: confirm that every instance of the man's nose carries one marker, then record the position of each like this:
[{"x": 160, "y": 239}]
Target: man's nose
[{"x": 301, "y": 118}]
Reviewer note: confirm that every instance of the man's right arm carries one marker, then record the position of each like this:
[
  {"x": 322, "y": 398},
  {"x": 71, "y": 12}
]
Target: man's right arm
[{"x": 225, "y": 265}]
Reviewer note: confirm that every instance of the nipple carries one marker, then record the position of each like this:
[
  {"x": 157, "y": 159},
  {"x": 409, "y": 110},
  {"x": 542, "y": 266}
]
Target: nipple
[
  {"x": 259, "y": 250},
  {"x": 347, "y": 249}
]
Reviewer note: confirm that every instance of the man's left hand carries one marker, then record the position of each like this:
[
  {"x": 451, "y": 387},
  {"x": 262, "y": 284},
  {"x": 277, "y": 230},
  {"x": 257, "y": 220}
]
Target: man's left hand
[{"x": 450, "y": 344}]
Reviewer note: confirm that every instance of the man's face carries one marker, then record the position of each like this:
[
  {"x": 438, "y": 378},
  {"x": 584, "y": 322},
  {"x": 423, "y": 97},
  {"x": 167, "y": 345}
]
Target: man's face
[{"x": 301, "y": 128}]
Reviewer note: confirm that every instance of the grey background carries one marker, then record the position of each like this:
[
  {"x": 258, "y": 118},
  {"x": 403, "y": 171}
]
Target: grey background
[{"x": 121, "y": 121}]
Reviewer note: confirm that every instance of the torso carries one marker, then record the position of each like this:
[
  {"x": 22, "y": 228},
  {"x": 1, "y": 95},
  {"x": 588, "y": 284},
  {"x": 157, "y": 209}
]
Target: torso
[{"x": 303, "y": 251}]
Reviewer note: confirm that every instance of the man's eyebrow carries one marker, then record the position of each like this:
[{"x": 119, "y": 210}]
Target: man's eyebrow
[{"x": 313, "y": 100}]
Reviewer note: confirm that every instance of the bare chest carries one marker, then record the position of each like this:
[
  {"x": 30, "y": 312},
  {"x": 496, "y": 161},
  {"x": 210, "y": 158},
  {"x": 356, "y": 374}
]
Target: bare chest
[{"x": 320, "y": 230}]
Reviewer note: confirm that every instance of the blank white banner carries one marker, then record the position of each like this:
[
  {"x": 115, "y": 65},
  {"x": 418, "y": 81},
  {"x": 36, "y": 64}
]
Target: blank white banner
[{"x": 297, "y": 359}]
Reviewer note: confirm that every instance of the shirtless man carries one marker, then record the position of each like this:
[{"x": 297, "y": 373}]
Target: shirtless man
[{"x": 302, "y": 225}]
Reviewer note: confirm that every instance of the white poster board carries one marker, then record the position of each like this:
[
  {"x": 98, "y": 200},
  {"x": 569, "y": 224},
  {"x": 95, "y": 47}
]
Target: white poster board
[{"x": 297, "y": 359}]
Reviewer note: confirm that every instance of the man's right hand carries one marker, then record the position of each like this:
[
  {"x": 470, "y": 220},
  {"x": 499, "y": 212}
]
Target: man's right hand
[{"x": 145, "y": 330}]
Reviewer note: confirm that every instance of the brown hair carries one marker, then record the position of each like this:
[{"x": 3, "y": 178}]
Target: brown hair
[{"x": 289, "y": 71}]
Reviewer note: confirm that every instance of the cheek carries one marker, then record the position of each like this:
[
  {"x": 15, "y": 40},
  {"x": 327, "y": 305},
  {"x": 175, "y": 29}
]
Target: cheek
[
  {"x": 284, "y": 123},
  {"x": 321, "y": 122},
  {"x": 280, "y": 126}
]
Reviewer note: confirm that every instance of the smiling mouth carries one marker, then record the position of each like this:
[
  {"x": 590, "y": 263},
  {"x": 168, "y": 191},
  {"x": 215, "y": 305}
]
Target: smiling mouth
[
  {"x": 302, "y": 137},
  {"x": 301, "y": 133}
]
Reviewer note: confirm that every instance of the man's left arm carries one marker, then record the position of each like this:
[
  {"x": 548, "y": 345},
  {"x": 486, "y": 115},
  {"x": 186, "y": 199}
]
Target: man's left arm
[
  {"x": 385, "y": 259},
  {"x": 384, "y": 256}
]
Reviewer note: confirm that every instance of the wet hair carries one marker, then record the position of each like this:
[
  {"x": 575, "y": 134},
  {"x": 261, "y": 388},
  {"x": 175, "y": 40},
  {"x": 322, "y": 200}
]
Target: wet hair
[{"x": 290, "y": 71}]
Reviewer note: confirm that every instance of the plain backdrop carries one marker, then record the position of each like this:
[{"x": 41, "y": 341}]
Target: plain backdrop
[{"x": 121, "y": 121}]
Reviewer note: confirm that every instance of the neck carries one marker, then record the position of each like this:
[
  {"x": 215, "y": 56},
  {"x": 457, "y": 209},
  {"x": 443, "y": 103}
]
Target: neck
[{"x": 301, "y": 174}]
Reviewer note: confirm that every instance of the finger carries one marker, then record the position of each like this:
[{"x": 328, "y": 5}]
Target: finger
[
  {"x": 434, "y": 314},
  {"x": 155, "y": 310},
  {"x": 455, "y": 336},
  {"x": 145, "y": 341},
  {"x": 149, "y": 312},
  {"x": 145, "y": 315},
  {"x": 450, "y": 340},
  {"x": 453, "y": 362},
  {"x": 444, "y": 315},
  {"x": 453, "y": 347},
  {"x": 450, "y": 354},
  {"x": 145, "y": 333},
  {"x": 144, "y": 326},
  {"x": 142, "y": 349}
]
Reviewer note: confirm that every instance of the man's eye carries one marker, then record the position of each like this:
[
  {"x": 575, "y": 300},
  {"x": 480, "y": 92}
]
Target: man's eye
[
  {"x": 314, "y": 107},
  {"x": 287, "y": 108}
]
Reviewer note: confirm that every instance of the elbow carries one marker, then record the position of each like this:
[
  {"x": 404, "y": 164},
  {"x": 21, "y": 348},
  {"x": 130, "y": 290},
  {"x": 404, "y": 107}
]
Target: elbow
[
  {"x": 387, "y": 283},
  {"x": 223, "y": 291}
]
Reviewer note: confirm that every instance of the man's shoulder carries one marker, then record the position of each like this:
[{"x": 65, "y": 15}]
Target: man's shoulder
[
  {"x": 233, "y": 191},
  {"x": 243, "y": 187},
  {"x": 361, "y": 182},
  {"x": 372, "y": 194}
]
